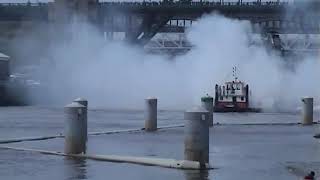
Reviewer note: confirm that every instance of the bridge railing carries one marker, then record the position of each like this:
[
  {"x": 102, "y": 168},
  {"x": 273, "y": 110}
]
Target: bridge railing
[
  {"x": 160, "y": 3},
  {"x": 193, "y": 3},
  {"x": 23, "y": 4}
]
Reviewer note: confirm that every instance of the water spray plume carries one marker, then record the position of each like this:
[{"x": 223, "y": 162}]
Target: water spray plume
[{"x": 115, "y": 75}]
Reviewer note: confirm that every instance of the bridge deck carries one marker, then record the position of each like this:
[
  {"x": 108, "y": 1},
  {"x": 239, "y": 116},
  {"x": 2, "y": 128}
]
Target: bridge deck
[{"x": 142, "y": 20}]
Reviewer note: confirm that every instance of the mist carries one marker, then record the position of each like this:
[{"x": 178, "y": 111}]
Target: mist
[
  {"x": 108, "y": 74},
  {"x": 222, "y": 43},
  {"x": 117, "y": 75}
]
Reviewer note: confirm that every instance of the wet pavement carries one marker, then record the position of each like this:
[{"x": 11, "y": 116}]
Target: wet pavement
[{"x": 242, "y": 146}]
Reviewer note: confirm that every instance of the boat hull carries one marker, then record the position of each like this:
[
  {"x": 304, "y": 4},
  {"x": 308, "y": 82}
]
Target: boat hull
[{"x": 235, "y": 109}]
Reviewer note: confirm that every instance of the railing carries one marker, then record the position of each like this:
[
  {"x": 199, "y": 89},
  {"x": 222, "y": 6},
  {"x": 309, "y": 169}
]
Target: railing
[
  {"x": 178, "y": 3},
  {"x": 194, "y": 3},
  {"x": 23, "y": 4}
]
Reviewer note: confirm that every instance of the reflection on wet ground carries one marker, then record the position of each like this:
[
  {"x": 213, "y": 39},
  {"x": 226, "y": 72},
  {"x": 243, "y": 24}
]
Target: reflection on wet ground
[
  {"x": 75, "y": 168},
  {"x": 236, "y": 151},
  {"x": 196, "y": 175}
]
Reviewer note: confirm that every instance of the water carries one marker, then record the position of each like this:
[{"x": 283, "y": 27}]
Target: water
[{"x": 236, "y": 150}]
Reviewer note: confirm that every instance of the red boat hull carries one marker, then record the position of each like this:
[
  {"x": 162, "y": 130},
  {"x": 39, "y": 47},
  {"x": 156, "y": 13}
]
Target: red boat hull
[{"x": 234, "y": 109}]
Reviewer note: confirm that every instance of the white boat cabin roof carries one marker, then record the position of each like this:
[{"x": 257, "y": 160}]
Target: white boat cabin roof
[{"x": 235, "y": 82}]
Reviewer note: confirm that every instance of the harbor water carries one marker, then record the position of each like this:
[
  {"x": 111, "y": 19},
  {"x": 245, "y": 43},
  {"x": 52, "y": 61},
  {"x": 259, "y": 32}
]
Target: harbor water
[{"x": 260, "y": 146}]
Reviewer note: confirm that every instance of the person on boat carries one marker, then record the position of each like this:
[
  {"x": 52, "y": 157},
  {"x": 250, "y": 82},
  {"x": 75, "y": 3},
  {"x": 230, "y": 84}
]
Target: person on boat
[{"x": 310, "y": 176}]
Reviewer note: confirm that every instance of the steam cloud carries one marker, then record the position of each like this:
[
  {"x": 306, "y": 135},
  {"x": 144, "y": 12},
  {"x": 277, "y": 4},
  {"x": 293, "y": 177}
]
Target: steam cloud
[{"x": 115, "y": 75}]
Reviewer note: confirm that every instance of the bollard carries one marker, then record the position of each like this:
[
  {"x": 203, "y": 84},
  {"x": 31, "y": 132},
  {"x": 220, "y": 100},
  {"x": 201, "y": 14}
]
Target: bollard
[
  {"x": 151, "y": 114},
  {"x": 75, "y": 133},
  {"x": 207, "y": 103},
  {"x": 84, "y": 102},
  {"x": 307, "y": 111},
  {"x": 196, "y": 143}
]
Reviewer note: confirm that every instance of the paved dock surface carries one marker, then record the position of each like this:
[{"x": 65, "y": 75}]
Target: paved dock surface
[{"x": 243, "y": 146}]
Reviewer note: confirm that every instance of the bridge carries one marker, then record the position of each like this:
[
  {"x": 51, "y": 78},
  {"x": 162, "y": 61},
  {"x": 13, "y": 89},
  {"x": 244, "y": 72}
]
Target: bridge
[
  {"x": 157, "y": 17},
  {"x": 141, "y": 21},
  {"x": 288, "y": 44}
]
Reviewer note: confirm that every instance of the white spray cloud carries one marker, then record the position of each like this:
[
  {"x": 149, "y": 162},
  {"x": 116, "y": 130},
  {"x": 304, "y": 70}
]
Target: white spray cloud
[
  {"x": 111, "y": 75},
  {"x": 115, "y": 75},
  {"x": 222, "y": 43}
]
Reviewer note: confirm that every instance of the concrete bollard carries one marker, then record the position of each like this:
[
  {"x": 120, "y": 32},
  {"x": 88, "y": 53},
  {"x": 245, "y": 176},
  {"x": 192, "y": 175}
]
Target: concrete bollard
[
  {"x": 196, "y": 143},
  {"x": 84, "y": 102},
  {"x": 307, "y": 111},
  {"x": 151, "y": 114},
  {"x": 75, "y": 133},
  {"x": 207, "y": 103}
]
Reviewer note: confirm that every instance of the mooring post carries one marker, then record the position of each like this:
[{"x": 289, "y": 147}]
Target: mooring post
[
  {"x": 75, "y": 133},
  {"x": 84, "y": 102},
  {"x": 196, "y": 143},
  {"x": 207, "y": 103},
  {"x": 307, "y": 111},
  {"x": 151, "y": 114}
]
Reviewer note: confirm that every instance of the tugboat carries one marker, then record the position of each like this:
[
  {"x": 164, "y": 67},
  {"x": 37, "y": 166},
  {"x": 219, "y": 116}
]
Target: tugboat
[{"x": 233, "y": 96}]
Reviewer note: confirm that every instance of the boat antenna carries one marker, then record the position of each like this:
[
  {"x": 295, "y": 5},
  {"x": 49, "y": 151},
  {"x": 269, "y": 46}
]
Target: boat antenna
[
  {"x": 229, "y": 73},
  {"x": 234, "y": 73}
]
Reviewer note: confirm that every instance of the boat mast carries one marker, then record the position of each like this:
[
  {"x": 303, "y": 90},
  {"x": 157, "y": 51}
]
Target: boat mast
[{"x": 234, "y": 73}]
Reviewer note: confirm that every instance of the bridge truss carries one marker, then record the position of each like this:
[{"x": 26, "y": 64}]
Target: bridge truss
[{"x": 177, "y": 44}]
